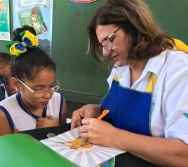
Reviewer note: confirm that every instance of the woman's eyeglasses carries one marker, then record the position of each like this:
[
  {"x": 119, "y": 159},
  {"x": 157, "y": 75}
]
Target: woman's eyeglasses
[
  {"x": 107, "y": 43},
  {"x": 40, "y": 93}
]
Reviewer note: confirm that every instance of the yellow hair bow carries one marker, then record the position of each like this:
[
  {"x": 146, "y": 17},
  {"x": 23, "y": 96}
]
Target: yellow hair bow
[{"x": 16, "y": 48}]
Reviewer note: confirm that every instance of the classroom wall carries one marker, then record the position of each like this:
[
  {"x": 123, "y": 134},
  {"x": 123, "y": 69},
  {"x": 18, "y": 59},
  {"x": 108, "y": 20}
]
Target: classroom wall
[{"x": 83, "y": 79}]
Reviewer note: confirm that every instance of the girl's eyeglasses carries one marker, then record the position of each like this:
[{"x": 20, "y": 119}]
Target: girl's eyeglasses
[
  {"x": 40, "y": 93},
  {"x": 107, "y": 42}
]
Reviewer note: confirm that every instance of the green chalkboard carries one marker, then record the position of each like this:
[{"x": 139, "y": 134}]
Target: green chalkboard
[
  {"x": 83, "y": 79},
  {"x": 171, "y": 16}
]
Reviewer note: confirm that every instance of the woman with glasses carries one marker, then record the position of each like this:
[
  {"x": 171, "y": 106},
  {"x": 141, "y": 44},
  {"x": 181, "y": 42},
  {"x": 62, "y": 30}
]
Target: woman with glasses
[
  {"x": 148, "y": 86},
  {"x": 37, "y": 103}
]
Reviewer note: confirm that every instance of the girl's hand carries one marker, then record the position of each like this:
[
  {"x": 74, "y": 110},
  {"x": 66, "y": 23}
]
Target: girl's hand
[
  {"x": 87, "y": 111},
  {"x": 49, "y": 121}
]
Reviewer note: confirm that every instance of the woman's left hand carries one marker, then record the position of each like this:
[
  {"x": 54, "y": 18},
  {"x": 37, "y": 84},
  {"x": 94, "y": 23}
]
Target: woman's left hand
[
  {"x": 49, "y": 121},
  {"x": 97, "y": 131}
]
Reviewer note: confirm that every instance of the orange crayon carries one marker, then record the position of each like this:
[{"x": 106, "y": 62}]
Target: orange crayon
[{"x": 104, "y": 113}]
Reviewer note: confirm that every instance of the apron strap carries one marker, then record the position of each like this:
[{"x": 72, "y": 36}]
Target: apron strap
[
  {"x": 151, "y": 84},
  {"x": 179, "y": 45},
  {"x": 116, "y": 78}
]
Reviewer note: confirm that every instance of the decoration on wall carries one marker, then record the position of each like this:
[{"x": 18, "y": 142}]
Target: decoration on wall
[
  {"x": 33, "y": 17},
  {"x": 83, "y": 1},
  {"x": 4, "y": 20},
  {"x": 37, "y": 14},
  {"x": 71, "y": 146}
]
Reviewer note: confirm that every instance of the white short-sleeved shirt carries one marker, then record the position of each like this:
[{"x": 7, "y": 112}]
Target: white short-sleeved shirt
[
  {"x": 18, "y": 116},
  {"x": 169, "y": 112}
]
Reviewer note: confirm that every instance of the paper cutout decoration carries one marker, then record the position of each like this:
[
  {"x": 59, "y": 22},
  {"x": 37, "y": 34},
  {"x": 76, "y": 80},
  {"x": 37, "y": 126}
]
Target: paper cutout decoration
[
  {"x": 69, "y": 146},
  {"x": 33, "y": 17}
]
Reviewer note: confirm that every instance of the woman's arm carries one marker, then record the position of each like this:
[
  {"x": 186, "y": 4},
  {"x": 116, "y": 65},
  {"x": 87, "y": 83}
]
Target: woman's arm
[{"x": 159, "y": 151}]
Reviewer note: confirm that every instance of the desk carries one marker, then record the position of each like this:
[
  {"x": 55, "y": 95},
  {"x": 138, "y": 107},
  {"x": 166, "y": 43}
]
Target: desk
[{"x": 126, "y": 159}]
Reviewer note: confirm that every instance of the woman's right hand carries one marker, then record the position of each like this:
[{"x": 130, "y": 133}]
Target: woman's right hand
[{"x": 87, "y": 111}]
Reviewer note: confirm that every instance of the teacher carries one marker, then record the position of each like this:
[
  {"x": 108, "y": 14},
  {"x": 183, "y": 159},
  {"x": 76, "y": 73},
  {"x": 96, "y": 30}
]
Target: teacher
[{"x": 148, "y": 86}]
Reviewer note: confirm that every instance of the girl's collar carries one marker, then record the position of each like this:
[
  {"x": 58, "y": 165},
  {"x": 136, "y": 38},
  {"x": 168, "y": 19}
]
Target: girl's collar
[{"x": 21, "y": 104}]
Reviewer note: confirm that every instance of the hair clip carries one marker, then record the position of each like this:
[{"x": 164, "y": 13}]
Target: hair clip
[{"x": 16, "y": 48}]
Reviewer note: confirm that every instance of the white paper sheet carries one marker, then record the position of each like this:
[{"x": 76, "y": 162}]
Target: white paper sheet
[{"x": 85, "y": 157}]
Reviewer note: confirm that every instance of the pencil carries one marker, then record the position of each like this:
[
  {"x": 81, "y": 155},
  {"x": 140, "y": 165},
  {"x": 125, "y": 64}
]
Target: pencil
[{"x": 104, "y": 113}]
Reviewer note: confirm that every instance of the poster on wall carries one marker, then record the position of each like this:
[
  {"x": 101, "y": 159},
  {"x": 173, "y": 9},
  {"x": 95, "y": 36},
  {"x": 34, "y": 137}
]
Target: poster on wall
[
  {"x": 4, "y": 20},
  {"x": 38, "y": 14}
]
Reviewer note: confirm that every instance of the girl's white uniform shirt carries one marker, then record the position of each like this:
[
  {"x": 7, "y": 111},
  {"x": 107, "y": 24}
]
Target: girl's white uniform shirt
[
  {"x": 21, "y": 119},
  {"x": 169, "y": 108}
]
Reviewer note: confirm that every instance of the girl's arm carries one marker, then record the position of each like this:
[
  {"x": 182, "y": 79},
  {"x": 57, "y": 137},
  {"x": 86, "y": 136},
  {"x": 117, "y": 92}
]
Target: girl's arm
[{"x": 4, "y": 125}]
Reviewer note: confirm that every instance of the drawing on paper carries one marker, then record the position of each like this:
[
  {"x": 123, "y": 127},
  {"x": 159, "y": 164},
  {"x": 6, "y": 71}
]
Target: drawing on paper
[
  {"x": 81, "y": 152},
  {"x": 77, "y": 143}
]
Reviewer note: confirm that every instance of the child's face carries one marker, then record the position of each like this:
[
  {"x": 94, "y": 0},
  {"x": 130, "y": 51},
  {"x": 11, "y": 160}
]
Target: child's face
[
  {"x": 5, "y": 71},
  {"x": 43, "y": 81}
]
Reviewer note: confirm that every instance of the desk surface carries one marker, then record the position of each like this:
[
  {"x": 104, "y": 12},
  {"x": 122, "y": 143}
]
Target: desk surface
[{"x": 126, "y": 159}]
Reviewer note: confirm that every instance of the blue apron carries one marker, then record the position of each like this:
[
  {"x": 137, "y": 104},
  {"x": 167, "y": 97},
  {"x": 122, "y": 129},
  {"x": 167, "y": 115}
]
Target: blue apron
[{"x": 129, "y": 109}]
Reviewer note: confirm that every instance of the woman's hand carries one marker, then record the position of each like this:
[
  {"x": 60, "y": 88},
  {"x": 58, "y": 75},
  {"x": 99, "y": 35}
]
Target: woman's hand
[
  {"x": 98, "y": 132},
  {"x": 49, "y": 121},
  {"x": 87, "y": 111}
]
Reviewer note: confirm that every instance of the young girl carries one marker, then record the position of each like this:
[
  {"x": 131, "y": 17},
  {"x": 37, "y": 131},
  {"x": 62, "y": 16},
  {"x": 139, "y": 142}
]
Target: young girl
[{"x": 37, "y": 104}]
